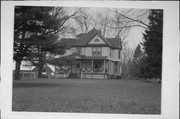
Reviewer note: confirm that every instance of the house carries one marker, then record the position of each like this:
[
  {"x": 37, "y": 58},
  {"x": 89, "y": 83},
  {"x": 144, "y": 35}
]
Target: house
[
  {"x": 97, "y": 57},
  {"x": 28, "y": 71},
  {"x": 47, "y": 71}
]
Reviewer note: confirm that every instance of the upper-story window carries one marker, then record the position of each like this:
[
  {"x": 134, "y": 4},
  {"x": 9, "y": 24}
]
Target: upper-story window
[
  {"x": 79, "y": 50},
  {"x": 96, "y": 40},
  {"x": 96, "y": 51}
]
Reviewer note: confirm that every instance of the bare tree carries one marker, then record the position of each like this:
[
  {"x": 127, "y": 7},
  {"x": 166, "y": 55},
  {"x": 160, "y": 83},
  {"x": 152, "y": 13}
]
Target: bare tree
[{"x": 84, "y": 21}]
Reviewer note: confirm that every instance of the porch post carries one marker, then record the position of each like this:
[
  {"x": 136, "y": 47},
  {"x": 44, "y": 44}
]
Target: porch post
[
  {"x": 104, "y": 69},
  {"x": 104, "y": 66},
  {"x": 92, "y": 68}
]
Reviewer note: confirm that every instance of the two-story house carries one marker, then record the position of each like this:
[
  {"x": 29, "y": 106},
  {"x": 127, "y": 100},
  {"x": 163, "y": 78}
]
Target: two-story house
[{"x": 98, "y": 57}]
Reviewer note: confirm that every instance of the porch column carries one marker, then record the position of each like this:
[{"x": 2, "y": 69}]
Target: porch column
[
  {"x": 104, "y": 69},
  {"x": 92, "y": 63},
  {"x": 104, "y": 66}
]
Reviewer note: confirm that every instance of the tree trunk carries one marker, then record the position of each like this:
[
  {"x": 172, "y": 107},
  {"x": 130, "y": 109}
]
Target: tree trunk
[
  {"x": 40, "y": 70},
  {"x": 40, "y": 67},
  {"x": 17, "y": 70}
]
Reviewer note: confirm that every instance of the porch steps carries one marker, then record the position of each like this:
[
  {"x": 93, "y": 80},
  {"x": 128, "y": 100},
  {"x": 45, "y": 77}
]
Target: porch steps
[{"x": 73, "y": 75}]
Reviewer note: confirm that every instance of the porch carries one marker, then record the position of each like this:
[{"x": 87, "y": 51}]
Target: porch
[{"x": 96, "y": 68}]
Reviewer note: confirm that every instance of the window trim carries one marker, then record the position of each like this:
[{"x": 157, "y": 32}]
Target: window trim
[{"x": 95, "y": 51}]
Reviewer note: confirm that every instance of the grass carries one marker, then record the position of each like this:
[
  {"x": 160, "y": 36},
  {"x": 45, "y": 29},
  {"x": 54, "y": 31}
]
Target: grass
[{"x": 88, "y": 95}]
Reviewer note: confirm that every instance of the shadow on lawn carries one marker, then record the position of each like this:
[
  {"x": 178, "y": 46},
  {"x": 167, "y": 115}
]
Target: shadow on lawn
[{"x": 34, "y": 85}]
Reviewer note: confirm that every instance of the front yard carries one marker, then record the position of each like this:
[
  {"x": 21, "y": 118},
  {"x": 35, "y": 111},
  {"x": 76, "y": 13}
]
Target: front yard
[{"x": 88, "y": 95}]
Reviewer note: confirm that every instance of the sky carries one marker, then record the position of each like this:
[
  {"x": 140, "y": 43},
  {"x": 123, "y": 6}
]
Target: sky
[{"x": 135, "y": 35}]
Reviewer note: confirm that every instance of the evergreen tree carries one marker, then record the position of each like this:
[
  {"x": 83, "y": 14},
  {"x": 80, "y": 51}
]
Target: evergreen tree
[
  {"x": 36, "y": 31},
  {"x": 151, "y": 64},
  {"x": 135, "y": 65},
  {"x": 137, "y": 54}
]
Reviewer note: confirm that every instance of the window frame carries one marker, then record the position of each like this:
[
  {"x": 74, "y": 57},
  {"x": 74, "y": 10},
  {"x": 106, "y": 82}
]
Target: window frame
[{"x": 96, "y": 51}]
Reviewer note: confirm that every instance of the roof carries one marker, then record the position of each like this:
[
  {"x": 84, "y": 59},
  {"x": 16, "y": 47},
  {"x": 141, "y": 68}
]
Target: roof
[
  {"x": 115, "y": 42},
  {"x": 93, "y": 57},
  {"x": 48, "y": 66},
  {"x": 84, "y": 38}
]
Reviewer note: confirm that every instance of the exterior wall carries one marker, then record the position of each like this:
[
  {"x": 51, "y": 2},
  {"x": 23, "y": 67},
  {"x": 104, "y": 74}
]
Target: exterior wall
[
  {"x": 93, "y": 41},
  {"x": 105, "y": 51},
  {"x": 83, "y": 51},
  {"x": 114, "y": 54},
  {"x": 88, "y": 51}
]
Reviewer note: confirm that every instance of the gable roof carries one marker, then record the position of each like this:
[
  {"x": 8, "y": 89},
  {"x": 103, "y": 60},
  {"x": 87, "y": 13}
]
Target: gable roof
[
  {"x": 115, "y": 42},
  {"x": 84, "y": 38},
  {"x": 47, "y": 66}
]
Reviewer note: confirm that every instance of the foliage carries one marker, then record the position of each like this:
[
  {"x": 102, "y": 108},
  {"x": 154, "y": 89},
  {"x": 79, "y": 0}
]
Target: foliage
[
  {"x": 151, "y": 63},
  {"x": 63, "y": 61},
  {"x": 36, "y": 32}
]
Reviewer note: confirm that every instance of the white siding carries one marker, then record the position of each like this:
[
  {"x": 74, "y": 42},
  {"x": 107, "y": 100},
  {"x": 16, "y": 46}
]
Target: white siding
[
  {"x": 114, "y": 54},
  {"x": 83, "y": 51},
  {"x": 88, "y": 51},
  {"x": 105, "y": 51}
]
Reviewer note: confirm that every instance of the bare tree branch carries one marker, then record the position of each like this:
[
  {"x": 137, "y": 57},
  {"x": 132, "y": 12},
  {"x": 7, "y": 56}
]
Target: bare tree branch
[{"x": 135, "y": 20}]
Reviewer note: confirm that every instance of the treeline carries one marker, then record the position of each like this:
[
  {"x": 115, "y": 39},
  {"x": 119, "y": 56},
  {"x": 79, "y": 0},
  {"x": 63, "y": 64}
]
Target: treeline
[{"x": 147, "y": 58}]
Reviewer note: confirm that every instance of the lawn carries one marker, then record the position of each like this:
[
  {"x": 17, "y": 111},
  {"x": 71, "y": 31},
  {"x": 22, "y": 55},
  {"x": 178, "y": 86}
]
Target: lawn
[{"x": 88, "y": 95}]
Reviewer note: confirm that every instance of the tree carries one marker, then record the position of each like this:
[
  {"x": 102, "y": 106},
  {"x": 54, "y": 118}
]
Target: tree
[
  {"x": 137, "y": 54},
  {"x": 36, "y": 32},
  {"x": 151, "y": 64}
]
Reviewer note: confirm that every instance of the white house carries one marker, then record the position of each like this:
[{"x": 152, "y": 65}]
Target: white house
[{"x": 98, "y": 57}]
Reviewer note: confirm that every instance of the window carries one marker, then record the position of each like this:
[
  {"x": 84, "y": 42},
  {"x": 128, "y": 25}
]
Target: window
[
  {"x": 96, "y": 40},
  {"x": 96, "y": 51},
  {"x": 79, "y": 50}
]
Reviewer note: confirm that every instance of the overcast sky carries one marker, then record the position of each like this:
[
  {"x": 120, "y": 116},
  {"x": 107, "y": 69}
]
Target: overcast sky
[{"x": 135, "y": 34}]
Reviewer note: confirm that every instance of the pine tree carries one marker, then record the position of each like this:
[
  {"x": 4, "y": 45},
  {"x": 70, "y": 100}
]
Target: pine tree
[
  {"x": 135, "y": 65},
  {"x": 137, "y": 54},
  {"x": 36, "y": 31},
  {"x": 151, "y": 64}
]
